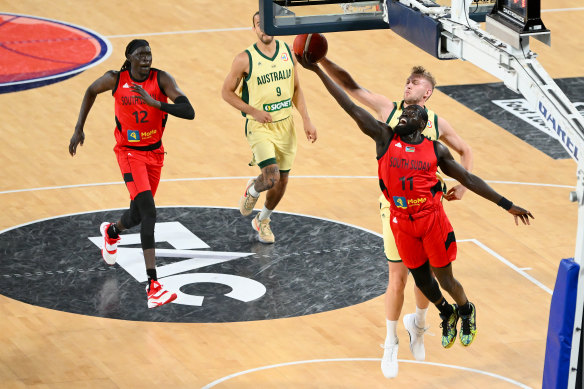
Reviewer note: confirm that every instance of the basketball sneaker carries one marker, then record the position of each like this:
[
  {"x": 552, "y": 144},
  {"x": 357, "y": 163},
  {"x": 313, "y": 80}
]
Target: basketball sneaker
[
  {"x": 416, "y": 337},
  {"x": 389, "y": 360},
  {"x": 109, "y": 251},
  {"x": 157, "y": 295},
  {"x": 449, "y": 327},
  {"x": 263, "y": 228},
  {"x": 468, "y": 327},
  {"x": 247, "y": 201}
]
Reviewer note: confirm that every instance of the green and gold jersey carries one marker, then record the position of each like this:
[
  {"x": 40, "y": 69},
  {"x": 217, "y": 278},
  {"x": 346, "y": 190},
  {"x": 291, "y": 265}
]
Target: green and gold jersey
[
  {"x": 431, "y": 130},
  {"x": 269, "y": 85}
]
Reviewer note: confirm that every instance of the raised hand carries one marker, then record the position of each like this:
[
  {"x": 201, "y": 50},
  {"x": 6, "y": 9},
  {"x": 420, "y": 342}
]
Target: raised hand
[{"x": 143, "y": 95}]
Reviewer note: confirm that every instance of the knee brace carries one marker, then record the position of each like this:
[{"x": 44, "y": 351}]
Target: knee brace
[
  {"x": 427, "y": 284},
  {"x": 147, "y": 210}
]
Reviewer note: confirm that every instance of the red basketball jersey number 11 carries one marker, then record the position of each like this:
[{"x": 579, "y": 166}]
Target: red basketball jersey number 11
[{"x": 314, "y": 45}]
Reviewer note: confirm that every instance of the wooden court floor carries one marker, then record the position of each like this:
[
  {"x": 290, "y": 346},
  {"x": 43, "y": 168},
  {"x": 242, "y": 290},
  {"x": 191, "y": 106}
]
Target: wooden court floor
[{"x": 332, "y": 178}]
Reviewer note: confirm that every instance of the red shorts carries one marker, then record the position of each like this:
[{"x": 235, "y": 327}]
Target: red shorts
[
  {"x": 140, "y": 169},
  {"x": 430, "y": 237}
]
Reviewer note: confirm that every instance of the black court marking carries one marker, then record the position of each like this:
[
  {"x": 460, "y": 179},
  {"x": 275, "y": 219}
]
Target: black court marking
[
  {"x": 510, "y": 110},
  {"x": 316, "y": 265}
]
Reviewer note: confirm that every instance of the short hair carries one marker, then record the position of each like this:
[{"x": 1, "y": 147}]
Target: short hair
[
  {"x": 421, "y": 112},
  {"x": 253, "y": 18},
  {"x": 421, "y": 71}
]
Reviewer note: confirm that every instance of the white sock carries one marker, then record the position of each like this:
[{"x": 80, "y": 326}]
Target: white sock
[
  {"x": 253, "y": 192},
  {"x": 391, "y": 337},
  {"x": 265, "y": 213},
  {"x": 421, "y": 317}
]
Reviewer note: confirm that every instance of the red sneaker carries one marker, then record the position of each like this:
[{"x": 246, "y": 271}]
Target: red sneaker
[
  {"x": 109, "y": 252},
  {"x": 157, "y": 295}
]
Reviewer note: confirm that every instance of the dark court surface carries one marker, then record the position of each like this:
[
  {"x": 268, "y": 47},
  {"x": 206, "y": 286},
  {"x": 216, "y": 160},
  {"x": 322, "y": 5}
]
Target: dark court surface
[{"x": 211, "y": 255}]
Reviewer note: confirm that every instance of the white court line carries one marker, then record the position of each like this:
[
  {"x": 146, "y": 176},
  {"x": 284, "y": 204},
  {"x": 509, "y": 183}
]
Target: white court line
[
  {"x": 223, "y": 379},
  {"x": 563, "y": 9},
  {"x": 508, "y": 263},
  {"x": 180, "y": 32},
  {"x": 248, "y": 177}
]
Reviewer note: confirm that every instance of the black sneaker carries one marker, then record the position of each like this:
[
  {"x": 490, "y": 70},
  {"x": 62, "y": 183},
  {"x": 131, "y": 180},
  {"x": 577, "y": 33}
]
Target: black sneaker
[
  {"x": 449, "y": 327},
  {"x": 468, "y": 327}
]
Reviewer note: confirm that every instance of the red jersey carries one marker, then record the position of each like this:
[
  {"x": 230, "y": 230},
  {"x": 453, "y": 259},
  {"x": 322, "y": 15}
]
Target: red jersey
[
  {"x": 137, "y": 124},
  {"x": 407, "y": 176}
]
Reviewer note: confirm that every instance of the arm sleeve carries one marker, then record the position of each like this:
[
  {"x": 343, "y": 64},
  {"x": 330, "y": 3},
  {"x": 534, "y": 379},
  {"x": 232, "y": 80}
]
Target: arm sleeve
[{"x": 181, "y": 108}]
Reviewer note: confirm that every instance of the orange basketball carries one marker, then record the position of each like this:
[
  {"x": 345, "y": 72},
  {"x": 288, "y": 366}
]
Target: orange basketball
[{"x": 315, "y": 45}]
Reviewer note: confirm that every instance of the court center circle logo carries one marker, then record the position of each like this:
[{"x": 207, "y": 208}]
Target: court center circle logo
[{"x": 209, "y": 256}]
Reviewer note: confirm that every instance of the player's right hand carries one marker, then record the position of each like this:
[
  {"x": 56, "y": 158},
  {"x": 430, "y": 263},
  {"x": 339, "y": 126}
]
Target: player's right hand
[
  {"x": 262, "y": 116},
  {"x": 77, "y": 139},
  {"x": 305, "y": 62}
]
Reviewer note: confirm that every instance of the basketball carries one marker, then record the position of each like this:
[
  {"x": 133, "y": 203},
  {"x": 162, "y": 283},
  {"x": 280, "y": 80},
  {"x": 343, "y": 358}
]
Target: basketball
[{"x": 315, "y": 45}]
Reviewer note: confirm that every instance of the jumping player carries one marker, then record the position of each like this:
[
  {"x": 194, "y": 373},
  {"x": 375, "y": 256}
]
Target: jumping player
[
  {"x": 419, "y": 87},
  {"x": 141, "y": 111},
  {"x": 408, "y": 163}
]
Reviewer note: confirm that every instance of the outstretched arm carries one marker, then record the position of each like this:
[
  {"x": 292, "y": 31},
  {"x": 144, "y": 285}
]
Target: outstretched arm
[
  {"x": 380, "y": 132},
  {"x": 102, "y": 84},
  {"x": 379, "y": 103},
  {"x": 476, "y": 184},
  {"x": 181, "y": 108}
]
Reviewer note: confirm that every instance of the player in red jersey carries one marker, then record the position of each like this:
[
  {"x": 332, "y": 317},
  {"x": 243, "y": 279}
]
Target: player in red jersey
[
  {"x": 141, "y": 94},
  {"x": 407, "y": 176}
]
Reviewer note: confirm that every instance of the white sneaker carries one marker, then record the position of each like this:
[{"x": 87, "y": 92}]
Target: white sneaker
[
  {"x": 247, "y": 201},
  {"x": 389, "y": 360},
  {"x": 416, "y": 337},
  {"x": 157, "y": 295},
  {"x": 109, "y": 251}
]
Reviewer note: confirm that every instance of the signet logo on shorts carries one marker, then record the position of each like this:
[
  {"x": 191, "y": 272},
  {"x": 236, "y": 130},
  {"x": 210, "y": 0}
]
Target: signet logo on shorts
[{"x": 210, "y": 257}]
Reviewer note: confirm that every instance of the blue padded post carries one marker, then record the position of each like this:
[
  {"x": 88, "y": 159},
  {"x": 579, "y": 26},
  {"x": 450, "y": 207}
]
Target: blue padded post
[
  {"x": 561, "y": 325},
  {"x": 413, "y": 25}
]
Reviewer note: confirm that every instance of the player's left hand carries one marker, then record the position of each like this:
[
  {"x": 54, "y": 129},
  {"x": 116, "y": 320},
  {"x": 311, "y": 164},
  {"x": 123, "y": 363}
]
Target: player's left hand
[
  {"x": 520, "y": 213},
  {"x": 142, "y": 94},
  {"x": 310, "y": 132},
  {"x": 455, "y": 193}
]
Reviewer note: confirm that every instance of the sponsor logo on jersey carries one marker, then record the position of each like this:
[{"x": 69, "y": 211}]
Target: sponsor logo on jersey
[
  {"x": 133, "y": 136},
  {"x": 125, "y": 85},
  {"x": 147, "y": 134},
  {"x": 410, "y": 149},
  {"x": 400, "y": 202},
  {"x": 398, "y": 144},
  {"x": 278, "y": 106},
  {"x": 414, "y": 202}
]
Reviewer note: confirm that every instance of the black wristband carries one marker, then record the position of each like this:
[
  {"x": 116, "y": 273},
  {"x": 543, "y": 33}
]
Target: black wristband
[{"x": 505, "y": 204}]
